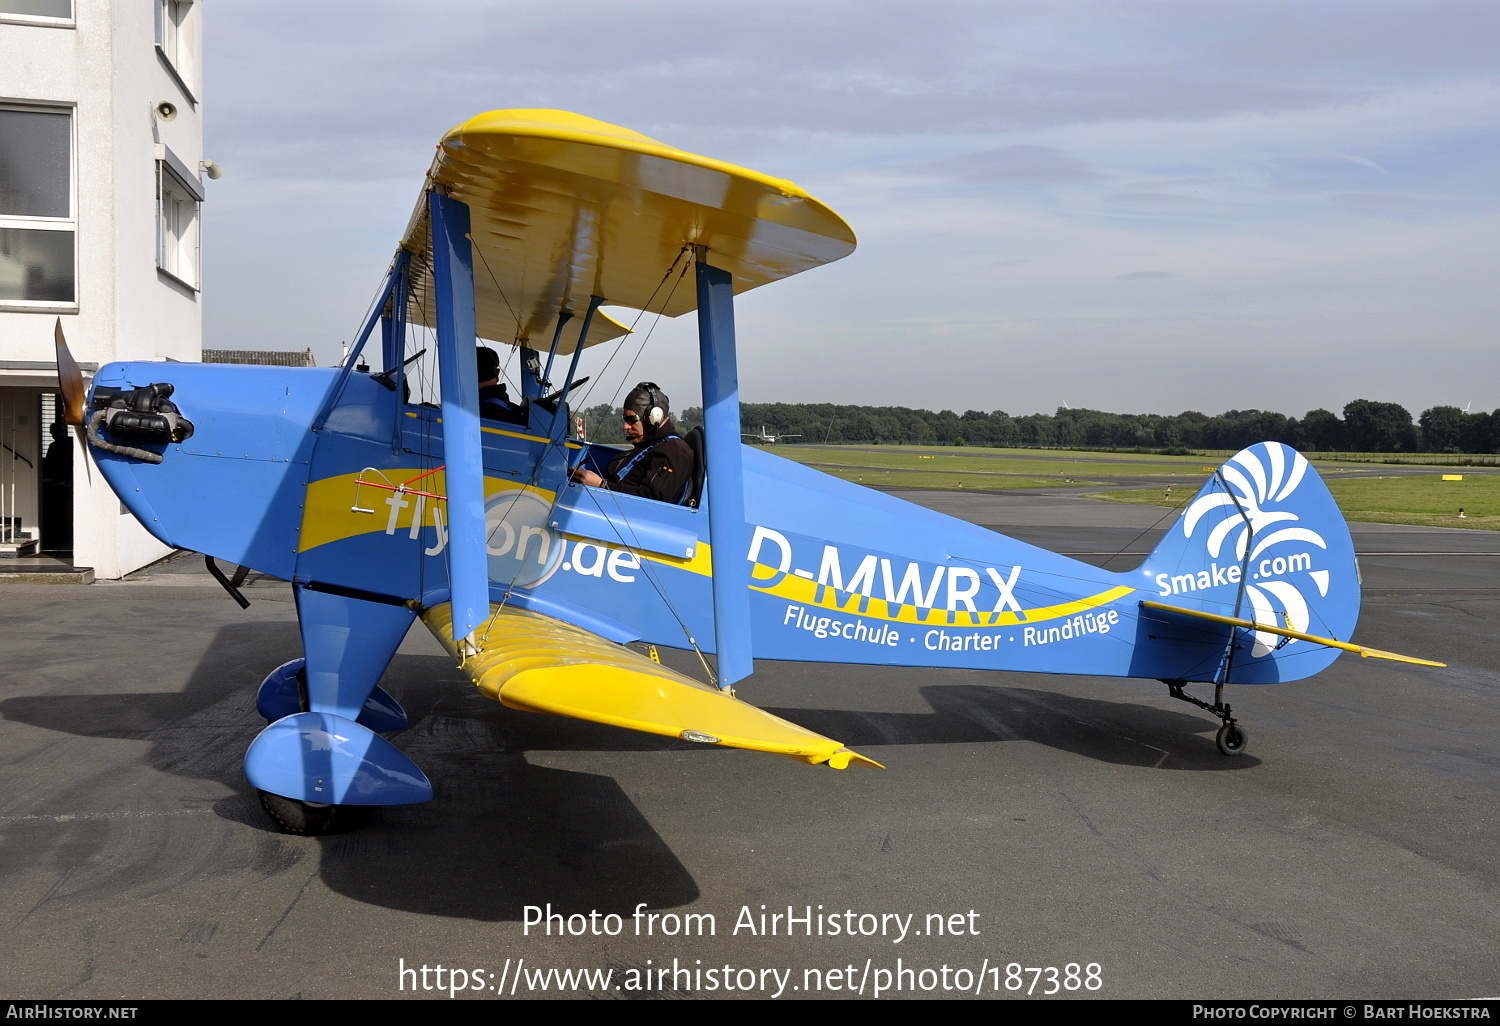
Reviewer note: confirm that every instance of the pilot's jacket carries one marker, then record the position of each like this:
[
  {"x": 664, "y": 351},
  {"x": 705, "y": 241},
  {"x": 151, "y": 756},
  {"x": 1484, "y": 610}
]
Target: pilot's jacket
[
  {"x": 659, "y": 467},
  {"x": 495, "y": 404}
]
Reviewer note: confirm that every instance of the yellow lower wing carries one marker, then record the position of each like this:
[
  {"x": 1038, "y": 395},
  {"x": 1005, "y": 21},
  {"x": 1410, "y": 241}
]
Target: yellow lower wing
[{"x": 536, "y": 663}]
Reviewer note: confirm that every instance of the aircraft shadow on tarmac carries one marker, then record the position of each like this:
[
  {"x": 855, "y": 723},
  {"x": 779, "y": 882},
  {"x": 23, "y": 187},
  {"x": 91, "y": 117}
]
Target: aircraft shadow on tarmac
[
  {"x": 501, "y": 832},
  {"x": 1122, "y": 733}
]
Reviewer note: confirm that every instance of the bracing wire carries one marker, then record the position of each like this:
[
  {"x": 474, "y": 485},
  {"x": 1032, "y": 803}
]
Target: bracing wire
[
  {"x": 514, "y": 349},
  {"x": 659, "y": 589},
  {"x": 642, "y": 348},
  {"x": 599, "y": 378},
  {"x": 1170, "y": 512},
  {"x": 646, "y": 569},
  {"x": 380, "y": 294},
  {"x": 503, "y": 298}
]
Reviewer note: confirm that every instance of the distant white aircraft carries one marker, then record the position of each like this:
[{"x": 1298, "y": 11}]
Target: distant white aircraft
[{"x": 766, "y": 439}]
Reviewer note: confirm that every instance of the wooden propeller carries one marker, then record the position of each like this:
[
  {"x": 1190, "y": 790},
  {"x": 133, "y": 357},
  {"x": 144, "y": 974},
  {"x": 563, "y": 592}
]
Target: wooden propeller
[{"x": 70, "y": 380}]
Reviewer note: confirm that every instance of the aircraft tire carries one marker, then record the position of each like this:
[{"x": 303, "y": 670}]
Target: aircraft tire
[
  {"x": 308, "y": 819},
  {"x": 1232, "y": 739}
]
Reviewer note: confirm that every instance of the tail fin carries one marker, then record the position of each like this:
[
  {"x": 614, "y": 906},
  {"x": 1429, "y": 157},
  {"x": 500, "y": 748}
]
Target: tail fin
[{"x": 1262, "y": 541}]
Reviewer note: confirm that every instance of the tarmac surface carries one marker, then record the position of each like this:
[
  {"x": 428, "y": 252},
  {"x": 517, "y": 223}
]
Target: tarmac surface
[{"x": 1039, "y": 821}]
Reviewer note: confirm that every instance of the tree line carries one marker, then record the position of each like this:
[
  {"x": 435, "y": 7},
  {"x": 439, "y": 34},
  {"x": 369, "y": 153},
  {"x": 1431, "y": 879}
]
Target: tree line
[{"x": 1366, "y": 426}]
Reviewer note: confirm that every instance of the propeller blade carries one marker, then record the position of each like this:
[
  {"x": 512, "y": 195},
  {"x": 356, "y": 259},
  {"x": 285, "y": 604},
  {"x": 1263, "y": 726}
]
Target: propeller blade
[{"x": 70, "y": 378}]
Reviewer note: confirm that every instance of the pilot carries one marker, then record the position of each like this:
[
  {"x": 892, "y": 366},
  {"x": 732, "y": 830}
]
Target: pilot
[
  {"x": 659, "y": 465},
  {"x": 494, "y": 400}
]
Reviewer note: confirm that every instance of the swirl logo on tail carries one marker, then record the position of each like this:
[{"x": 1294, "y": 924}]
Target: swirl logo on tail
[{"x": 1260, "y": 479}]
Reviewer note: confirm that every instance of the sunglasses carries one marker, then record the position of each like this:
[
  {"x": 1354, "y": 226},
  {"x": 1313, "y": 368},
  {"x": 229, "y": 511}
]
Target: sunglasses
[{"x": 631, "y": 418}]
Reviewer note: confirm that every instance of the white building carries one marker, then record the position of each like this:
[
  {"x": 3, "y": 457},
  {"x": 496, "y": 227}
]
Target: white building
[{"x": 101, "y": 178}]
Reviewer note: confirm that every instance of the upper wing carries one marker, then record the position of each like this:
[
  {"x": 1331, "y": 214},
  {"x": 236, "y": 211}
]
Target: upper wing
[
  {"x": 564, "y": 207},
  {"x": 537, "y": 663}
]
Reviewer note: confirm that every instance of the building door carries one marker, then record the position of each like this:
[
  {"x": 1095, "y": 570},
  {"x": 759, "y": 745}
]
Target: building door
[
  {"x": 58, "y": 451},
  {"x": 20, "y": 461}
]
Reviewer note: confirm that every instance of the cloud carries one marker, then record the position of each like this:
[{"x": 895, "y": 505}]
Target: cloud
[
  {"x": 1376, "y": 202},
  {"x": 1152, "y": 197},
  {"x": 1018, "y": 163},
  {"x": 1324, "y": 171},
  {"x": 882, "y": 68}
]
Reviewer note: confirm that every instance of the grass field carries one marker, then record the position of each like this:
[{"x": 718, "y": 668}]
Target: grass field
[
  {"x": 1422, "y": 499},
  {"x": 908, "y": 466},
  {"x": 966, "y": 480},
  {"x": 1425, "y": 500}
]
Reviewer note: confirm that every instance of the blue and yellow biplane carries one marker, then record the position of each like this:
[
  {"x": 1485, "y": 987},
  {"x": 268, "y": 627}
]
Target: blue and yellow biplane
[{"x": 381, "y": 509}]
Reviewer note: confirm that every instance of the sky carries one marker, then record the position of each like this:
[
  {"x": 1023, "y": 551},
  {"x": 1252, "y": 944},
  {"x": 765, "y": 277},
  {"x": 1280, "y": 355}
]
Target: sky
[{"x": 1142, "y": 207}]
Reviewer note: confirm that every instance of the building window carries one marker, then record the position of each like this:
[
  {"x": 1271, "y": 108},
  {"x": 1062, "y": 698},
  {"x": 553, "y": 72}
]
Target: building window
[
  {"x": 174, "y": 41},
  {"x": 177, "y": 209},
  {"x": 38, "y": 261},
  {"x": 43, "y": 12},
  {"x": 170, "y": 18}
]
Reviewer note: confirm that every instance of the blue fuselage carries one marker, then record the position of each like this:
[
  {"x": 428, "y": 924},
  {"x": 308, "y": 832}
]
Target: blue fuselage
[{"x": 839, "y": 572}]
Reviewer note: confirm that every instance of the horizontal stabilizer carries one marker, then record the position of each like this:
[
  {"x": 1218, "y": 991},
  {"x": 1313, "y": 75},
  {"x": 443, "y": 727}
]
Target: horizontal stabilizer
[
  {"x": 1252, "y": 625},
  {"x": 536, "y": 663}
]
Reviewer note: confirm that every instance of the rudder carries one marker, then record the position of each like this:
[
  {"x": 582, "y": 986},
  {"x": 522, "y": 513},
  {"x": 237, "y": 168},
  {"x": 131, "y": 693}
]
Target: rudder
[{"x": 1262, "y": 540}]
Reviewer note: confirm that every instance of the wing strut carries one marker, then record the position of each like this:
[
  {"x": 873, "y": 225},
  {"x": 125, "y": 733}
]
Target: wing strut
[
  {"x": 726, "y": 506},
  {"x": 458, "y": 373},
  {"x": 560, "y": 416}
]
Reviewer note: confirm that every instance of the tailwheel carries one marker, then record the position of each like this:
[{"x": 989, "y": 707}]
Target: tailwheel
[
  {"x": 1232, "y": 739},
  {"x": 312, "y": 819}
]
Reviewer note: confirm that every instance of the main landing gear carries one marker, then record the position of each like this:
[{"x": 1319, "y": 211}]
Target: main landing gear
[
  {"x": 321, "y": 764},
  {"x": 312, "y": 819},
  {"x": 1232, "y": 737},
  {"x": 284, "y": 693}
]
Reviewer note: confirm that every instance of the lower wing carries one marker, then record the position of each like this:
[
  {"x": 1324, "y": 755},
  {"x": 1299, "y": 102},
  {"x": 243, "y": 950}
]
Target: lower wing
[{"x": 536, "y": 663}]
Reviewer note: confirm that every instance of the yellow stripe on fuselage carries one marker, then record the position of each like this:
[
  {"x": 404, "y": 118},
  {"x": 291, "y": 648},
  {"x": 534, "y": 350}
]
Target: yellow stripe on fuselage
[
  {"x": 330, "y": 513},
  {"x": 701, "y": 562},
  {"x": 810, "y": 593}
]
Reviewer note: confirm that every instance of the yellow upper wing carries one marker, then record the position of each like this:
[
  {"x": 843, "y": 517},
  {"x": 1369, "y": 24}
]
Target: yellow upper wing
[
  {"x": 564, "y": 207},
  {"x": 539, "y": 664}
]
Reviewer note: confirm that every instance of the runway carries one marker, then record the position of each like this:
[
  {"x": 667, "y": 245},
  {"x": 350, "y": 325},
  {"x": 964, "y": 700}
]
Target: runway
[{"x": 1023, "y": 821}]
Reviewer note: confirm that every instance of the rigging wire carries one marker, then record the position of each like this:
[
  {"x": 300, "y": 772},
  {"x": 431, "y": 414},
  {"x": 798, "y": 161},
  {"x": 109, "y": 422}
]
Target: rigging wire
[
  {"x": 657, "y": 585},
  {"x": 646, "y": 570},
  {"x": 503, "y": 298},
  {"x": 560, "y": 443},
  {"x": 626, "y": 376},
  {"x": 515, "y": 347},
  {"x": 380, "y": 294},
  {"x": 1170, "y": 511},
  {"x": 599, "y": 377}
]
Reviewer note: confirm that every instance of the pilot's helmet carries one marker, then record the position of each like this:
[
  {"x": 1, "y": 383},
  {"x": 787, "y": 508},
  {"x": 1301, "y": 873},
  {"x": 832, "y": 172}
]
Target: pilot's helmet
[
  {"x": 487, "y": 362},
  {"x": 649, "y": 402}
]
